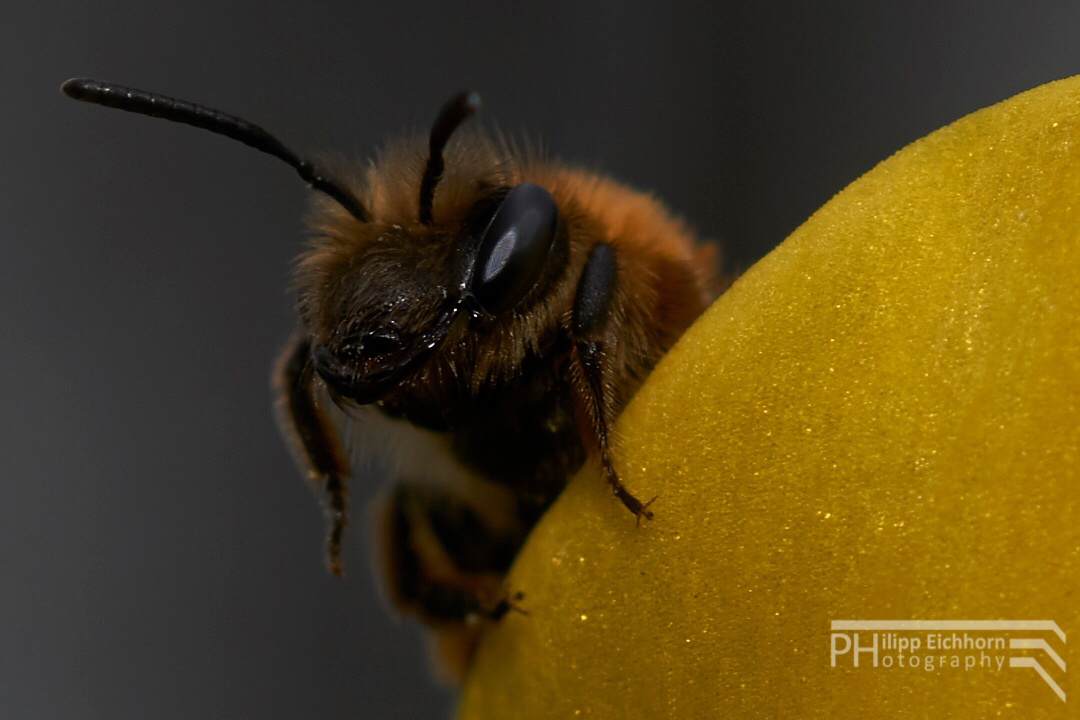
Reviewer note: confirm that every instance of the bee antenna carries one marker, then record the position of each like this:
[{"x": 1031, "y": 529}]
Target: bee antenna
[
  {"x": 456, "y": 111},
  {"x": 161, "y": 106}
]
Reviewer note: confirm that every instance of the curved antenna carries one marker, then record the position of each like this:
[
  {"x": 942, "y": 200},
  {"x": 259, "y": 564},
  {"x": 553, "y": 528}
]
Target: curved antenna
[
  {"x": 456, "y": 111},
  {"x": 162, "y": 106}
]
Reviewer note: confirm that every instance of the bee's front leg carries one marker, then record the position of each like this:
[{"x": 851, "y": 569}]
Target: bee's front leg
[
  {"x": 313, "y": 439},
  {"x": 594, "y": 348}
]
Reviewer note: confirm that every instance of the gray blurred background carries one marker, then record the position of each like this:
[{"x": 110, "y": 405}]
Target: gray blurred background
[{"x": 160, "y": 557}]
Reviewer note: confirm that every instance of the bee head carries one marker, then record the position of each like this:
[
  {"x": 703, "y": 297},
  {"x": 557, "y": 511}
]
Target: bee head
[
  {"x": 384, "y": 287},
  {"x": 382, "y": 296}
]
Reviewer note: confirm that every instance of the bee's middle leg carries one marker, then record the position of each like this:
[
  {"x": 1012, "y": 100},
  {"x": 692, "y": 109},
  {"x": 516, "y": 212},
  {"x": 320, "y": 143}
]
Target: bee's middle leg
[
  {"x": 443, "y": 564},
  {"x": 441, "y": 561}
]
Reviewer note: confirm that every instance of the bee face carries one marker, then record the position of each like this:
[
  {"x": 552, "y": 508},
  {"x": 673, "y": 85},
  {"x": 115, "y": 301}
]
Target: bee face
[
  {"x": 477, "y": 321},
  {"x": 377, "y": 310},
  {"x": 381, "y": 298}
]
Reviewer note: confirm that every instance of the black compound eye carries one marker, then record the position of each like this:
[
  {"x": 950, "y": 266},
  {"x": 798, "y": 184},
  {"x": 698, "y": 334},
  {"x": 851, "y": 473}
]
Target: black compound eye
[{"x": 515, "y": 247}]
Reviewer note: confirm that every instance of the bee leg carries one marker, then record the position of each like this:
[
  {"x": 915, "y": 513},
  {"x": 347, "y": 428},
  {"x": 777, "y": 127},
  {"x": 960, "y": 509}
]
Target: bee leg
[
  {"x": 507, "y": 603},
  {"x": 592, "y": 345},
  {"x": 313, "y": 440},
  {"x": 441, "y": 561}
]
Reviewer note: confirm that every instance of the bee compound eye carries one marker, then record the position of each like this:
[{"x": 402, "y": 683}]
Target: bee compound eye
[{"x": 515, "y": 247}]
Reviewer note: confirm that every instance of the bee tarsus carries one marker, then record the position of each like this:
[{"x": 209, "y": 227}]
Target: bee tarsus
[{"x": 507, "y": 603}]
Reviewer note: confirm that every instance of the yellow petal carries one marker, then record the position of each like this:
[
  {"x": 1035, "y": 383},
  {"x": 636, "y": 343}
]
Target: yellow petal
[{"x": 881, "y": 420}]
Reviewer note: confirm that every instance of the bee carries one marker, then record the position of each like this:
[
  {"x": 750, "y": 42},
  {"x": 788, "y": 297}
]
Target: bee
[{"x": 476, "y": 316}]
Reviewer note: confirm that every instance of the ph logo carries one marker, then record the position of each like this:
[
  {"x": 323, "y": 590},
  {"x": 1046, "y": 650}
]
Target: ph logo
[{"x": 940, "y": 645}]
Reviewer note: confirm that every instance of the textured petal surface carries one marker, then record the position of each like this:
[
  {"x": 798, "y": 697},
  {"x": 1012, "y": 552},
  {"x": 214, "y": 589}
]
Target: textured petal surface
[{"x": 878, "y": 421}]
